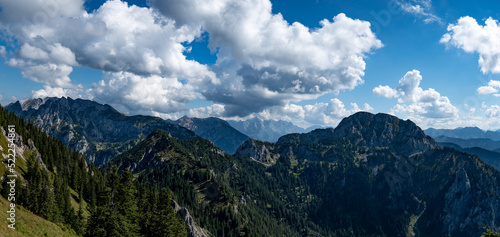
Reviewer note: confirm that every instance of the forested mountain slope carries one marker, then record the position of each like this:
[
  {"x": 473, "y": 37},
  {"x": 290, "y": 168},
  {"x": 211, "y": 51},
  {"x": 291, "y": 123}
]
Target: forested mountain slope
[
  {"x": 70, "y": 196},
  {"x": 374, "y": 175},
  {"x": 98, "y": 131}
]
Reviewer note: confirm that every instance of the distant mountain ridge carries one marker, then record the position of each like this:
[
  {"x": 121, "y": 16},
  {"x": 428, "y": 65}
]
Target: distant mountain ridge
[
  {"x": 361, "y": 129},
  {"x": 464, "y": 133},
  {"x": 99, "y": 131},
  {"x": 265, "y": 130},
  {"x": 220, "y": 132},
  {"x": 484, "y": 143}
]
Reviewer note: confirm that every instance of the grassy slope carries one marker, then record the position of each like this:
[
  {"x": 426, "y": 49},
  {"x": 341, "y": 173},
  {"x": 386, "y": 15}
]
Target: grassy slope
[{"x": 27, "y": 223}]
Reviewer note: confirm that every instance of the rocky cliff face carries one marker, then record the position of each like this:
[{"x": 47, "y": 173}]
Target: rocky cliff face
[
  {"x": 259, "y": 151},
  {"x": 98, "y": 131},
  {"x": 216, "y": 130},
  {"x": 193, "y": 230}
]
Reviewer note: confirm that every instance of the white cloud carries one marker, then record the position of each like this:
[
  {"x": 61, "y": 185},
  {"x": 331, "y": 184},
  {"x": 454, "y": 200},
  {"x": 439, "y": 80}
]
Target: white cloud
[
  {"x": 61, "y": 54},
  {"x": 493, "y": 112},
  {"x": 293, "y": 111},
  {"x": 492, "y": 87},
  {"x": 50, "y": 74},
  {"x": 328, "y": 114},
  {"x": 493, "y": 83},
  {"x": 29, "y": 52},
  {"x": 419, "y": 8},
  {"x": 324, "y": 114},
  {"x": 416, "y": 102},
  {"x": 215, "y": 110},
  {"x": 468, "y": 35},
  {"x": 115, "y": 37},
  {"x": 137, "y": 94},
  {"x": 483, "y": 90},
  {"x": 385, "y": 91},
  {"x": 264, "y": 61},
  {"x": 45, "y": 12},
  {"x": 59, "y": 92}
]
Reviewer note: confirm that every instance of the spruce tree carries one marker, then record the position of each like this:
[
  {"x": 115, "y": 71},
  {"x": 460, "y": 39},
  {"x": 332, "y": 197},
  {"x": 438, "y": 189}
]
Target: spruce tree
[
  {"x": 147, "y": 206},
  {"x": 165, "y": 222},
  {"x": 127, "y": 203}
]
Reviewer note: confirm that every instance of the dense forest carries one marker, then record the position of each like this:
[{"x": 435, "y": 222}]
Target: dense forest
[{"x": 51, "y": 176}]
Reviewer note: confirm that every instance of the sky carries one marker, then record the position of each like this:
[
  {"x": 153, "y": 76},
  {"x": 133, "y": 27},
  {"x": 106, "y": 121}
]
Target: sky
[{"x": 436, "y": 63}]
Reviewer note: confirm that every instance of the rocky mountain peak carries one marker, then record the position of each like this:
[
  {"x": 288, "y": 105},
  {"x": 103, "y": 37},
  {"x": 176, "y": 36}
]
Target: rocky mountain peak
[
  {"x": 35, "y": 103},
  {"x": 384, "y": 130}
]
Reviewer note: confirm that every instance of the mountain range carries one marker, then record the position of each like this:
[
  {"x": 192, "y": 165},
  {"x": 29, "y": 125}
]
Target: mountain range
[
  {"x": 485, "y": 144},
  {"x": 265, "y": 130},
  {"x": 98, "y": 131},
  {"x": 373, "y": 175},
  {"x": 101, "y": 132},
  {"x": 464, "y": 133}
]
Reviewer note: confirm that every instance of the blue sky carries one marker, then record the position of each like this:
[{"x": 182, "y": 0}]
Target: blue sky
[{"x": 434, "y": 62}]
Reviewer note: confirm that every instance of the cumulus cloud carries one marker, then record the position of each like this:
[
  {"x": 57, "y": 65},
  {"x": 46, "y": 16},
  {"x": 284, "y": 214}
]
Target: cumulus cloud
[
  {"x": 59, "y": 92},
  {"x": 324, "y": 113},
  {"x": 491, "y": 88},
  {"x": 50, "y": 74},
  {"x": 493, "y": 112},
  {"x": 264, "y": 61},
  {"x": 139, "y": 94},
  {"x": 385, "y": 91},
  {"x": 419, "y": 8},
  {"x": 483, "y": 90},
  {"x": 415, "y": 101},
  {"x": 215, "y": 110},
  {"x": 21, "y": 12},
  {"x": 30, "y": 52},
  {"x": 468, "y": 35},
  {"x": 329, "y": 113},
  {"x": 116, "y": 37},
  {"x": 61, "y": 54}
]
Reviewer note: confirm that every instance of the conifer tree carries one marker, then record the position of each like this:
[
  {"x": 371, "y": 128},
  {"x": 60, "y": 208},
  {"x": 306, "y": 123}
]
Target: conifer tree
[
  {"x": 165, "y": 222},
  {"x": 146, "y": 204},
  {"x": 127, "y": 203}
]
